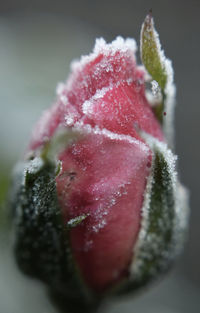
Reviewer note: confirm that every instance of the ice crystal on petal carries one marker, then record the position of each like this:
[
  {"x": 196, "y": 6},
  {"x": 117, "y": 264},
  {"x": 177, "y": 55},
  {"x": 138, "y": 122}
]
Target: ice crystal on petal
[
  {"x": 60, "y": 88},
  {"x": 119, "y": 44},
  {"x": 100, "y": 93},
  {"x": 79, "y": 126},
  {"x": 69, "y": 119}
]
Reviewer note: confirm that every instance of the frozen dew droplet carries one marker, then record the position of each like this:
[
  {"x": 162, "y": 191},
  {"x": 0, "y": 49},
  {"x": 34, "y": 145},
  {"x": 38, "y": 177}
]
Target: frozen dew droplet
[{"x": 155, "y": 88}]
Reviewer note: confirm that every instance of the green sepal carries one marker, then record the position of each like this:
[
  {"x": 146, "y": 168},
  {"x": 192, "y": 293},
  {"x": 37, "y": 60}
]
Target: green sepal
[
  {"x": 151, "y": 52},
  {"x": 42, "y": 240},
  {"x": 154, "y": 60},
  {"x": 159, "y": 241},
  {"x": 39, "y": 245},
  {"x": 156, "y": 250}
]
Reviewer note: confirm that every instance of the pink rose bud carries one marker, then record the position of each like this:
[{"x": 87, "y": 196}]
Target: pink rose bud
[{"x": 98, "y": 209}]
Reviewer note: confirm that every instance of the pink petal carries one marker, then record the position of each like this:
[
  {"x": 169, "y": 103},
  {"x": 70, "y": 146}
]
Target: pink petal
[
  {"x": 123, "y": 109},
  {"x": 104, "y": 178}
]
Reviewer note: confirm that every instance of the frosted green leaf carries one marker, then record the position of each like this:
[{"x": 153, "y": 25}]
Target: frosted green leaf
[
  {"x": 151, "y": 53},
  {"x": 157, "y": 248},
  {"x": 157, "y": 243},
  {"x": 42, "y": 241},
  {"x": 155, "y": 62}
]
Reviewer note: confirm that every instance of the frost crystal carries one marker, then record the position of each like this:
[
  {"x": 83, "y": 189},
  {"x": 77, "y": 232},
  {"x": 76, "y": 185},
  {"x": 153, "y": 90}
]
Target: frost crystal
[
  {"x": 60, "y": 88},
  {"x": 155, "y": 88},
  {"x": 69, "y": 119},
  {"x": 100, "y": 93},
  {"x": 79, "y": 126},
  {"x": 119, "y": 44}
]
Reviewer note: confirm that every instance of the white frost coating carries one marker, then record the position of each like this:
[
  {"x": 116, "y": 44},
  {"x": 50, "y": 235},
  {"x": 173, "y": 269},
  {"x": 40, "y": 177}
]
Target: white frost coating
[
  {"x": 171, "y": 161},
  {"x": 100, "y": 218},
  {"x": 100, "y": 225},
  {"x": 153, "y": 100},
  {"x": 32, "y": 167},
  {"x": 170, "y": 158},
  {"x": 119, "y": 44},
  {"x": 170, "y": 92},
  {"x": 64, "y": 99},
  {"x": 155, "y": 88},
  {"x": 102, "y": 211},
  {"x": 100, "y": 93},
  {"x": 79, "y": 126},
  {"x": 69, "y": 119},
  {"x": 60, "y": 88}
]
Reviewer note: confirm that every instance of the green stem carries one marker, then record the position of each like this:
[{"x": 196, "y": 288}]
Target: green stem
[{"x": 159, "y": 109}]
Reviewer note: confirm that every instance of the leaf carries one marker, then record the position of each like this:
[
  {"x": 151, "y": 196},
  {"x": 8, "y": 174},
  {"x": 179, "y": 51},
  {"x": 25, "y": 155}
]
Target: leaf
[
  {"x": 39, "y": 246},
  {"x": 155, "y": 62},
  {"x": 42, "y": 241},
  {"x": 151, "y": 53},
  {"x": 155, "y": 253},
  {"x": 156, "y": 245}
]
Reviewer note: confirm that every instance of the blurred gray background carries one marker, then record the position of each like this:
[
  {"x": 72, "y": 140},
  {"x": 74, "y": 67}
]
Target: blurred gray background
[{"x": 37, "y": 42}]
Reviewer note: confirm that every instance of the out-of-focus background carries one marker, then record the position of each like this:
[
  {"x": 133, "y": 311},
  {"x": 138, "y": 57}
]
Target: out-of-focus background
[{"x": 37, "y": 42}]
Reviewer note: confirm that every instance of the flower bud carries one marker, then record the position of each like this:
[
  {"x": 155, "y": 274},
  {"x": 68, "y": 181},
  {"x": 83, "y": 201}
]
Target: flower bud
[{"x": 97, "y": 204}]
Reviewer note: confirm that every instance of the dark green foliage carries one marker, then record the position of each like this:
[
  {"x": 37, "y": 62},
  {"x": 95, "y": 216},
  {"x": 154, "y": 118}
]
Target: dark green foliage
[
  {"x": 156, "y": 249},
  {"x": 39, "y": 246},
  {"x": 158, "y": 242},
  {"x": 42, "y": 245}
]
